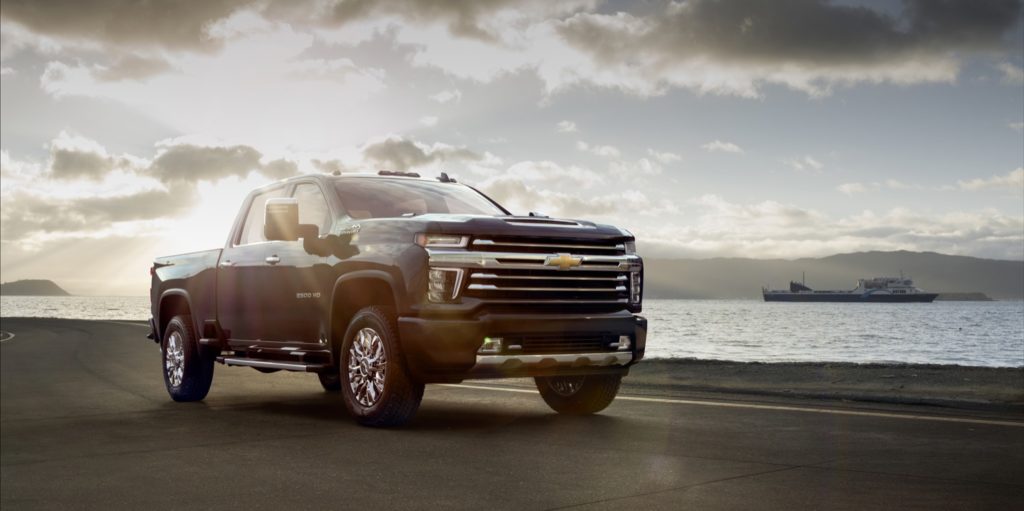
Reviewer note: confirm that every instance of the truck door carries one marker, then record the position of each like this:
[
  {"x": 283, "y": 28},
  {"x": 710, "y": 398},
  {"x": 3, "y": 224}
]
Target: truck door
[
  {"x": 302, "y": 281},
  {"x": 241, "y": 289}
]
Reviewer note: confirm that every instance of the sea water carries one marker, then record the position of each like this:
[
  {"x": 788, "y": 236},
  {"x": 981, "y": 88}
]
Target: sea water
[{"x": 965, "y": 333}]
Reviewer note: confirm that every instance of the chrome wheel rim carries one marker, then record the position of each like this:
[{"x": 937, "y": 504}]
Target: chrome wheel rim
[
  {"x": 367, "y": 366},
  {"x": 566, "y": 385},
  {"x": 174, "y": 359}
]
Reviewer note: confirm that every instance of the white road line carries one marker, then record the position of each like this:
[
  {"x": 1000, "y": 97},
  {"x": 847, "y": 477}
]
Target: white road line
[
  {"x": 721, "y": 404},
  {"x": 6, "y": 336}
]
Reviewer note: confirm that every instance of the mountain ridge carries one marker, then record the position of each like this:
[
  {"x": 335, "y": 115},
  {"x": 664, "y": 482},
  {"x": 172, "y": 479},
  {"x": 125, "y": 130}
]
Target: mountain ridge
[
  {"x": 32, "y": 287},
  {"x": 736, "y": 277}
]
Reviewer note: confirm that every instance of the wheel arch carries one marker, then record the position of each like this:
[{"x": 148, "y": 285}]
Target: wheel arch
[
  {"x": 354, "y": 291},
  {"x": 172, "y": 303}
]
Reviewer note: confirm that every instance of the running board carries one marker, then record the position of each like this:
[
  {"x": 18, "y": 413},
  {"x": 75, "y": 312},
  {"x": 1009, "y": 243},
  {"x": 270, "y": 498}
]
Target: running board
[{"x": 272, "y": 364}]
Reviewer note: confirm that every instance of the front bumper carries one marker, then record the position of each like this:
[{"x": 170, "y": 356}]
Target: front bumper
[{"x": 446, "y": 350}]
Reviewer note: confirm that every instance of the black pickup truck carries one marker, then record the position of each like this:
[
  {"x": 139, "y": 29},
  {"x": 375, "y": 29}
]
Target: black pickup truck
[{"x": 385, "y": 282}]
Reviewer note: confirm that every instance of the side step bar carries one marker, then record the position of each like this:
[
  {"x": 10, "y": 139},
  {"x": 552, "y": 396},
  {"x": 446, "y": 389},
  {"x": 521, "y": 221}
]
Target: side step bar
[{"x": 272, "y": 364}]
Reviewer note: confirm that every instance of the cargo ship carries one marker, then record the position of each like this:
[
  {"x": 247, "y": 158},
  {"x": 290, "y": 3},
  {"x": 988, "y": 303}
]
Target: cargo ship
[{"x": 878, "y": 289}]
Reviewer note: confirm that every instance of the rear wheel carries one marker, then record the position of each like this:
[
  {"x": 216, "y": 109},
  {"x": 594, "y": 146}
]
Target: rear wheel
[
  {"x": 579, "y": 395},
  {"x": 375, "y": 384},
  {"x": 188, "y": 369}
]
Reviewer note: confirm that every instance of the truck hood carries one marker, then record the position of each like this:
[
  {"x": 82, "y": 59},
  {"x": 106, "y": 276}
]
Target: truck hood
[{"x": 519, "y": 226}]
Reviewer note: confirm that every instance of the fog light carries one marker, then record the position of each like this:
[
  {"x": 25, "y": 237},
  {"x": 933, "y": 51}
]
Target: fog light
[
  {"x": 625, "y": 343},
  {"x": 443, "y": 284},
  {"x": 491, "y": 345}
]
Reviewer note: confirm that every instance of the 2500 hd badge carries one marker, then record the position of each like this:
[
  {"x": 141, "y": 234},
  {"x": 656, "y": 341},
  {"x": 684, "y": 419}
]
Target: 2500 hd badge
[{"x": 401, "y": 282}]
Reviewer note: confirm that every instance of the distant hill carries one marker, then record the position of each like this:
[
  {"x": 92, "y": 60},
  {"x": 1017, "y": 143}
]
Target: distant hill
[
  {"x": 32, "y": 287},
  {"x": 743, "y": 278}
]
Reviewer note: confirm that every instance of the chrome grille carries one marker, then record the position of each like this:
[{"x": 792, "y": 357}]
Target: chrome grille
[
  {"x": 521, "y": 286},
  {"x": 548, "y": 246},
  {"x": 583, "y": 274}
]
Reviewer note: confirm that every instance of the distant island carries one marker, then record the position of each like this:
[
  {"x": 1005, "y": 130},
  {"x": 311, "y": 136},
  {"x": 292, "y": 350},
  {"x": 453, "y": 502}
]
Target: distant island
[
  {"x": 953, "y": 277},
  {"x": 34, "y": 287}
]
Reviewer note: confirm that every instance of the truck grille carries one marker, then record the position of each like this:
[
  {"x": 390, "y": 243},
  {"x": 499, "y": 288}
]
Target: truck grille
[
  {"x": 526, "y": 286},
  {"x": 549, "y": 273},
  {"x": 548, "y": 246}
]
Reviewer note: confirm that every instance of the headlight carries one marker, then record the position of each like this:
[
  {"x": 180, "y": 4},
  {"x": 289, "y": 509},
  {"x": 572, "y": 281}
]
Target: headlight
[
  {"x": 443, "y": 284},
  {"x": 442, "y": 240},
  {"x": 635, "y": 286},
  {"x": 631, "y": 248}
]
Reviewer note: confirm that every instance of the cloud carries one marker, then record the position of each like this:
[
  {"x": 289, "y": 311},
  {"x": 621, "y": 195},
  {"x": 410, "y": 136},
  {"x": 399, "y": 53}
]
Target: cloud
[
  {"x": 429, "y": 120},
  {"x": 25, "y": 214},
  {"x": 854, "y": 188},
  {"x": 7, "y": 71},
  {"x": 734, "y": 46},
  {"x": 1014, "y": 181},
  {"x": 605, "y": 151},
  {"x": 629, "y": 169},
  {"x": 770, "y": 229},
  {"x": 1016, "y": 126},
  {"x": 447, "y": 96},
  {"x": 132, "y": 67},
  {"x": 125, "y": 23},
  {"x": 567, "y": 127},
  {"x": 717, "y": 146},
  {"x": 397, "y": 153},
  {"x": 73, "y": 156},
  {"x": 805, "y": 163},
  {"x": 184, "y": 162},
  {"x": 664, "y": 157},
  {"x": 83, "y": 190},
  {"x": 1012, "y": 74}
]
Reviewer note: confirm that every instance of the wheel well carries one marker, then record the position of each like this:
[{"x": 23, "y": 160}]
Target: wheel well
[
  {"x": 352, "y": 295},
  {"x": 170, "y": 306}
]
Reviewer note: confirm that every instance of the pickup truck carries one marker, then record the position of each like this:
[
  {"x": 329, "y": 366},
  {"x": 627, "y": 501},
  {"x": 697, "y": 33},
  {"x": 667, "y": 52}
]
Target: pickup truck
[{"x": 382, "y": 283}]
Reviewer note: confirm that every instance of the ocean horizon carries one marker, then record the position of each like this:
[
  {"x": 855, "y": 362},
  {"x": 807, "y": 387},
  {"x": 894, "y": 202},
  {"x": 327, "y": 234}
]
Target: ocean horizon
[{"x": 986, "y": 334}]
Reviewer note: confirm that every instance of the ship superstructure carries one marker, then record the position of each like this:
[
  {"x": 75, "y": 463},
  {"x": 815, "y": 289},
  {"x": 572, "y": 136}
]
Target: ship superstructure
[{"x": 877, "y": 289}]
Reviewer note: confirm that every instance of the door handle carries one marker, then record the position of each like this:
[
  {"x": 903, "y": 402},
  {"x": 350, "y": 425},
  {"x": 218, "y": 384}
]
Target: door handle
[
  {"x": 272, "y": 259},
  {"x": 226, "y": 264}
]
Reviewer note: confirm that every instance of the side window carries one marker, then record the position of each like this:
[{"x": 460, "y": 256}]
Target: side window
[
  {"x": 252, "y": 231},
  {"x": 313, "y": 206}
]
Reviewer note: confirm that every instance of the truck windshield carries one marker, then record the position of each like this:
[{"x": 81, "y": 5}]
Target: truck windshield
[{"x": 389, "y": 198}]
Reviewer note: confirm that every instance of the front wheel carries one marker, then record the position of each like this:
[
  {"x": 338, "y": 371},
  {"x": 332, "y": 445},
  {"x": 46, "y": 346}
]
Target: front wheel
[
  {"x": 375, "y": 384},
  {"x": 188, "y": 369},
  {"x": 579, "y": 395}
]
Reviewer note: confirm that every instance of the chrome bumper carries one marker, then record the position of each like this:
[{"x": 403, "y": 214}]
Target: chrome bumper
[{"x": 513, "y": 362}]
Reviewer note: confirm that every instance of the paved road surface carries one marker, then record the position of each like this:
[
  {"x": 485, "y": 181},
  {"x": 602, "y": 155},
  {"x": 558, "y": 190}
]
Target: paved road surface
[{"x": 85, "y": 423}]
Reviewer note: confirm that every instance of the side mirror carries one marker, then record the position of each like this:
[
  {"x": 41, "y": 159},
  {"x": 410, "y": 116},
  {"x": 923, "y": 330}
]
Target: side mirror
[{"x": 281, "y": 220}]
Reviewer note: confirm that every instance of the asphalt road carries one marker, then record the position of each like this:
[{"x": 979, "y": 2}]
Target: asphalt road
[{"x": 85, "y": 423}]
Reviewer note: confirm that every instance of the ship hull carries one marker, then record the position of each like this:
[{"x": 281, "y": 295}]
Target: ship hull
[{"x": 850, "y": 297}]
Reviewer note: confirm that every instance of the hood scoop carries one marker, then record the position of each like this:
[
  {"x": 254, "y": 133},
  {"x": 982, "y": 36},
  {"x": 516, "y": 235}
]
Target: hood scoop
[{"x": 543, "y": 221}]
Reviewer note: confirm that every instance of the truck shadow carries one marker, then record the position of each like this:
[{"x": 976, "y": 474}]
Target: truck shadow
[{"x": 432, "y": 416}]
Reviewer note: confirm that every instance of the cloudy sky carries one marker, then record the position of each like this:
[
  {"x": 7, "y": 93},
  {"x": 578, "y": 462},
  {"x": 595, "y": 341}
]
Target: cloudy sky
[{"x": 787, "y": 129}]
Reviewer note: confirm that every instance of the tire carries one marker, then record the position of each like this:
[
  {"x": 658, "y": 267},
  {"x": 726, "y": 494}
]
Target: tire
[
  {"x": 330, "y": 381},
  {"x": 579, "y": 395},
  {"x": 389, "y": 397},
  {"x": 187, "y": 367}
]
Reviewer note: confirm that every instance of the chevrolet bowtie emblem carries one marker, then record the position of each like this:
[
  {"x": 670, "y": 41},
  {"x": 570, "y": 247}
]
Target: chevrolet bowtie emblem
[{"x": 563, "y": 261}]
